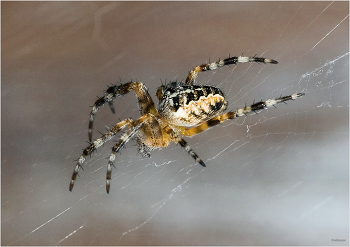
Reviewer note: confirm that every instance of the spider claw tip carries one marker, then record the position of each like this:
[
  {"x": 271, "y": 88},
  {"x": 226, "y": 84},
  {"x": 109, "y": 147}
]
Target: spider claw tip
[{"x": 201, "y": 163}]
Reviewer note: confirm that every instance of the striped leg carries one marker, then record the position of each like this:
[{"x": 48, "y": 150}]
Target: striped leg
[
  {"x": 177, "y": 139},
  {"x": 123, "y": 140},
  {"x": 96, "y": 144},
  {"x": 240, "y": 112},
  {"x": 183, "y": 144},
  {"x": 148, "y": 132},
  {"x": 192, "y": 75},
  {"x": 144, "y": 99}
]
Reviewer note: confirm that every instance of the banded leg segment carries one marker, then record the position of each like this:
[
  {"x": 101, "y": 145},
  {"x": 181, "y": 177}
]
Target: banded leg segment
[
  {"x": 123, "y": 140},
  {"x": 177, "y": 139},
  {"x": 96, "y": 144},
  {"x": 240, "y": 112},
  {"x": 189, "y": 150},
  {"x": 192, "y": 75},
  {"x": 144, "y": 100},
  {"x": 139, "y": 128}
]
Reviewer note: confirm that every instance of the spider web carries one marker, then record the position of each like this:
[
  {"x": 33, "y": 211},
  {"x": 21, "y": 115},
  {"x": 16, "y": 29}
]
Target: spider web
[{"x": 278, "y": 177}]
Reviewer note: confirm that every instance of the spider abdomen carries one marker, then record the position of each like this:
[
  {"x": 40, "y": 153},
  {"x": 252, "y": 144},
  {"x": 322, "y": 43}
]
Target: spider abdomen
[{"x": 190, "y": 105}]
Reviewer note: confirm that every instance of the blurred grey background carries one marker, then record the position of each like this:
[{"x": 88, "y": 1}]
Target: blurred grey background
[{"x": 280, "y": 177}]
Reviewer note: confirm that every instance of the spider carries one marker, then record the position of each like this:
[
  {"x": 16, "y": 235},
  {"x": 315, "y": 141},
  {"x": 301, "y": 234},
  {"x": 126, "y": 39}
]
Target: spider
[{"x": 184, "y": 109}]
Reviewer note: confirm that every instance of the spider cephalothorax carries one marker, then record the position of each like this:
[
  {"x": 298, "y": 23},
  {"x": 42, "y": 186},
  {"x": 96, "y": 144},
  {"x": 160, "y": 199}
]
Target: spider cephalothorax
[{"x": 184, "y": 109}]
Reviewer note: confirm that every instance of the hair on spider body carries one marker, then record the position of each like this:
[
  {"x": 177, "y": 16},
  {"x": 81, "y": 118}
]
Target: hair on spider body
[{"x": 184, "y": 109}]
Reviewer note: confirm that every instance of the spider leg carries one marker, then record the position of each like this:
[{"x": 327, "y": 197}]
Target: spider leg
[
  {"x": 123, "y": 140},
  {"x": 177, "y": 139},
  {"x": 148, "y": 130},
  {"x": 184, "y": 144},
  {"x": 240, "y": 112},
  {"x": 96, "y": 144},
  {"x": 192, "y": 75},
  {"x": 111, "y": 106},
  {"x": 144, "y": 100}
]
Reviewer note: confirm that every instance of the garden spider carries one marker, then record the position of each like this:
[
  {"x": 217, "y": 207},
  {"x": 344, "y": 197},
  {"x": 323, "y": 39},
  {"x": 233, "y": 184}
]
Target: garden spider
[{"x": 184, "y": 109}]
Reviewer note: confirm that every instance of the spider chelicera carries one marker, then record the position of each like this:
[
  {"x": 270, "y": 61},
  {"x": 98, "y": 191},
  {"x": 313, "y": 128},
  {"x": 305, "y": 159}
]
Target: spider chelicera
[{"x": 184, "y": 109}]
